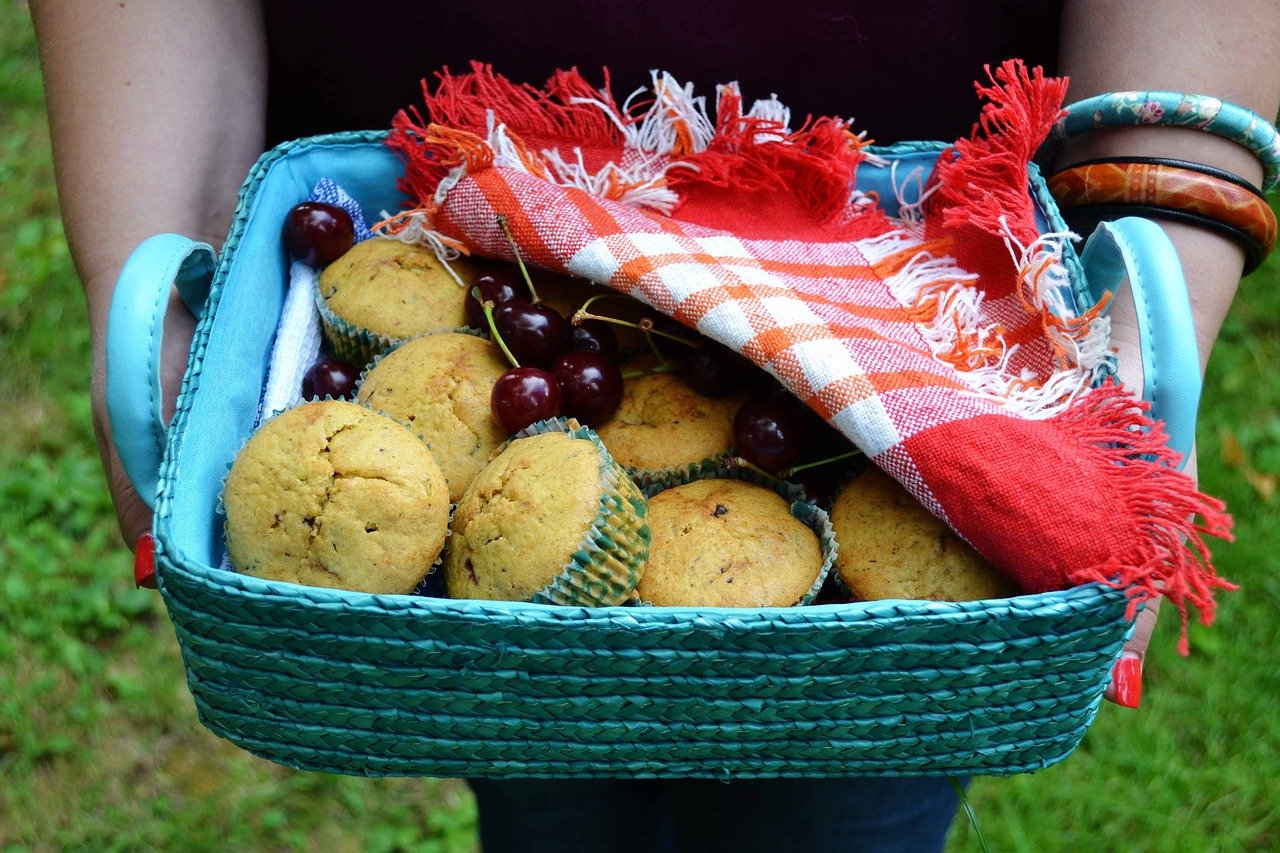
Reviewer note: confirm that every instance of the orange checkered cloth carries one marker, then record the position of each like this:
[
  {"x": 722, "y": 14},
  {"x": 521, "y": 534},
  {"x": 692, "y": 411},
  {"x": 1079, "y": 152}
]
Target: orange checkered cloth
[{"x": 938, "y": 340}]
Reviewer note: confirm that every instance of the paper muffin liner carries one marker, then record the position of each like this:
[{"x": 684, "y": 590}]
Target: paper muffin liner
[
  {"x": 663, "y": 478},
  {"x": 357, "y": 344},
  {"x": 608, "y": 563},
  {"x": 220, "y": 506},
  {"x": 813, "y": 517}
]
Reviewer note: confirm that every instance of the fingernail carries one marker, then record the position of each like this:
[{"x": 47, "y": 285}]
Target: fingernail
[
  {"x": 144, "y": 562},
  {"x": 1126, "y": 680}
]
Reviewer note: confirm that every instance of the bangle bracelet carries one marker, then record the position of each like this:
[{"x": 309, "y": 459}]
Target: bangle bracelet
[
  {"x": 1175, "y": 109},
  {"x": 1196, "y": 190},
  {"x": 1083, "y": 220},
  {"x": 1177, "y": 164}
]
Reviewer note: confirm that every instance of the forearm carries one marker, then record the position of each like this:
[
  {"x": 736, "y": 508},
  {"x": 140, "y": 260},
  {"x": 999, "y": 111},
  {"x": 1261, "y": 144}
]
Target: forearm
[
  {"x": 156, "y": 111},
  {"x": 1223, "y": 49}
]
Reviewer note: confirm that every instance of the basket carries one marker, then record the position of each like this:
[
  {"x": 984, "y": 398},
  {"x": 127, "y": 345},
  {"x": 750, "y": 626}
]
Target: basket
[{"x": 402, "y": 685}]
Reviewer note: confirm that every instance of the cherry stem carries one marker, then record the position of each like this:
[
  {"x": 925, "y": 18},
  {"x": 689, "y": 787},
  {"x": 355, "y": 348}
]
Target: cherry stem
[
  {"x": 487, "y": 305},
  {"x": 665, "y": 367},
  {"x": 511, "y": 241},
  {"x": 796, "y": 469},
  {"x": 645, "y": 325},
  {"x": 738, "y": 462}
]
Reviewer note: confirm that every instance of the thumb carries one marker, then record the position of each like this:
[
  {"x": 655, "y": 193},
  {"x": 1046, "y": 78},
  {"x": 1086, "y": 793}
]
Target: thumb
[{"x": 1125, "y": 688}]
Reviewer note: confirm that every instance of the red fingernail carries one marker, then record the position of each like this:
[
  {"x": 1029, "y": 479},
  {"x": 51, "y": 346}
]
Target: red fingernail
[
  {"x": 144, "y": 562},
  {"x": 1126, "y": 680}
]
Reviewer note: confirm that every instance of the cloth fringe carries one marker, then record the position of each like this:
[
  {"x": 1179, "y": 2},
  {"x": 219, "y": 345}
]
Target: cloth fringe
[
  {"x": 1173, "y": 559},
  {"x": 650, "y": 153}
]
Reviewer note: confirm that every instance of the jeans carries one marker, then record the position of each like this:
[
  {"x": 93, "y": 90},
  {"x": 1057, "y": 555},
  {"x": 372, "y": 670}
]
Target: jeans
[{"x": 686, "y": 815}]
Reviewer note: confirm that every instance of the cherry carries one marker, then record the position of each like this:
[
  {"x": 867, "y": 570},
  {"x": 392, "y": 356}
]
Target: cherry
[
  {"x": 331, "y": 376},
  {"x": 317, "y": 233},
  {"x": 591, "y": 385},
  {"x": 712, "y": 369},
  {"x": 497, "y": 286},
  {"x": 769, "y": 431},
  {"x": 820, "y": 483},
  {"x": 535, "y": 333},
  {"x": 522, "y": 396},
  {"x": 594, "y": 336}
]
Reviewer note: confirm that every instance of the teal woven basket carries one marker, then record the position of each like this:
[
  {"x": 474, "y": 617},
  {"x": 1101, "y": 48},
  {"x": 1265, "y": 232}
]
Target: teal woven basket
[{"x": 402, "y": 685}]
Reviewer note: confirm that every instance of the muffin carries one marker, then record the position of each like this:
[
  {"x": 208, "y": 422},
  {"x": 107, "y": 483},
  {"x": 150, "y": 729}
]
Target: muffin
[
  {"x": 729, "y": 543},
  {"x": 552, "y": 519},
  {"x": 664, "y": 429},
  {"x": 439, "y": 385},
  {"x": 383, "y": 291},
  {"x": 892, "y": 547},
  {"x": 331, "y": 494}
]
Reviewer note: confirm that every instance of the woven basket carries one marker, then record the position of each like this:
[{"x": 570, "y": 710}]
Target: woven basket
[{"x": 400, "y": 685}]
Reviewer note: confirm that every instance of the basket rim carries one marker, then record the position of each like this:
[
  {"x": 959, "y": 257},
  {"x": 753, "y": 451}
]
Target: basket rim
[{"x": 179, "y": 569}]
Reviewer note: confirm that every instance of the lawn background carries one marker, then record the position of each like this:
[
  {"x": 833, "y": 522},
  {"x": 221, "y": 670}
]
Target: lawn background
[{"x": 100, "y": 749}]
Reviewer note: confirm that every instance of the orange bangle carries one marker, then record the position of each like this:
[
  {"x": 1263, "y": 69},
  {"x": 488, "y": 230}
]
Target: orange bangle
[{"x": 1184, "y": 188}]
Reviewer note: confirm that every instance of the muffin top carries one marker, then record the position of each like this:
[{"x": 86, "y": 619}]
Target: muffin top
[
  {"x": 439, "y": 385},
  {"x": 396, "y": 289},
  {"x": 727, "y": 543},
  {"x": 522, "y": 518},
  {"x": 662, "y": 423},
  {"x": 331, "y": 494},
  {"x": 892, "y": 547}
]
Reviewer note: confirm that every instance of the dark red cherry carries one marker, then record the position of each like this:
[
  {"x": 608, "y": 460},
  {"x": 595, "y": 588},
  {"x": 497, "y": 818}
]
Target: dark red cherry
[
  {"x": 535, "y": 333},
  {"x": 769, "y": 432},
  {"x": 591, "y": 385},
  {"x": 317, "y": 233},
  {"x": 820, "y": 483},
  {"x": 713, "y": 369},
  {"x": 498, "y": 285},
  {"x": 332, "y": 377},
  {"x": 522, "y": 396},
  {"x": 595, "y": 336}
]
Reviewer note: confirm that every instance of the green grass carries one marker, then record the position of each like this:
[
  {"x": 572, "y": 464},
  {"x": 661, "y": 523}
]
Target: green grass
[{"x": 99, "y": 744}]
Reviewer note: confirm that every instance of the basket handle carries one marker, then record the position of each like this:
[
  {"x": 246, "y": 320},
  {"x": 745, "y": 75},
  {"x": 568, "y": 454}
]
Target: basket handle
[
  {"x": 135, "y": 326},
  {"x": 1139, "y": 250}
]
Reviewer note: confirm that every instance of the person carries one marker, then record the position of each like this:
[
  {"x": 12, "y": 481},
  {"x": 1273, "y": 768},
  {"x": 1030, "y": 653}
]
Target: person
[{"x": 158, "y": 109}]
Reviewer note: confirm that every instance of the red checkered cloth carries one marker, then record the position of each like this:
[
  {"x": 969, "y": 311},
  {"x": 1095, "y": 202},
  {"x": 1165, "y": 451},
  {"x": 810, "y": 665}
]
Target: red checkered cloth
[{"x": 938, "y": 340}]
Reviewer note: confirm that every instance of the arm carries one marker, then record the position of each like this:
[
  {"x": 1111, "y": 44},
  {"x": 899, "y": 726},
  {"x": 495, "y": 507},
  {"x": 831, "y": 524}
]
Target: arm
[
  {"x": 1222, "y": 49},
  {"x": 156, "y": 111}
]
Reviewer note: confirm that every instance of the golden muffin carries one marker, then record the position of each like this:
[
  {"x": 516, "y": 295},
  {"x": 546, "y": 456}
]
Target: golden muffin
[
  {"x": 331, "y": 494},
  {"x": 892, "y": 547},
  {"x": 383, "y": 291},
  {"x": 728, "y": 543},
  {"x": 439, "y": 385},
  {"x": 552, "y": 519},
  {"x": 663, "y": 427}
]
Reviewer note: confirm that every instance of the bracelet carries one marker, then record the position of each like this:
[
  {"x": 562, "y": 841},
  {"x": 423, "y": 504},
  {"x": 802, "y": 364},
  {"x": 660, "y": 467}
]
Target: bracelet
[
  {"x": 1085, "y": 219},
  {"x": 1175, "y": 109},
  {"x": 1189, "y": 188},
  {"x": 1179, "y": 164}
]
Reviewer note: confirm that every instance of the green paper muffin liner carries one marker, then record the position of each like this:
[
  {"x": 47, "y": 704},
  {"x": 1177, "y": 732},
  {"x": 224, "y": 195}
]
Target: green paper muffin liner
[
  {"x": 649, "y": 478},
  {"x": 607, "y": 565},
  {"x": 357, "y": 344},
  {"x": 220, "y": 505},
  {"x": 813, "y": 517}
]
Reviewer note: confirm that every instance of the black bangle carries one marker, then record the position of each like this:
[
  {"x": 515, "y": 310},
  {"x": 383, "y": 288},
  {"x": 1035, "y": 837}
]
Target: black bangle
[
  {"x": 1083, "y": 219},
  {"x": 1189, "y": 165}
]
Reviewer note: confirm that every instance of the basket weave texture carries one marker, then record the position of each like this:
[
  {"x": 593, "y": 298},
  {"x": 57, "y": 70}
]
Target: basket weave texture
[{"x": 403, "y": 685}]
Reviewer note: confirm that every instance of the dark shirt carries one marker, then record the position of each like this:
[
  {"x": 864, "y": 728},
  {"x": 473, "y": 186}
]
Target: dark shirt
[{"x": 901, "y": 69}]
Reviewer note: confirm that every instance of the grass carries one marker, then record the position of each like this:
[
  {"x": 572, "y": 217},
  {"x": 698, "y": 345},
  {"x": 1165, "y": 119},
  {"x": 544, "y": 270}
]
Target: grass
[{"x": 99, "y": 744}]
